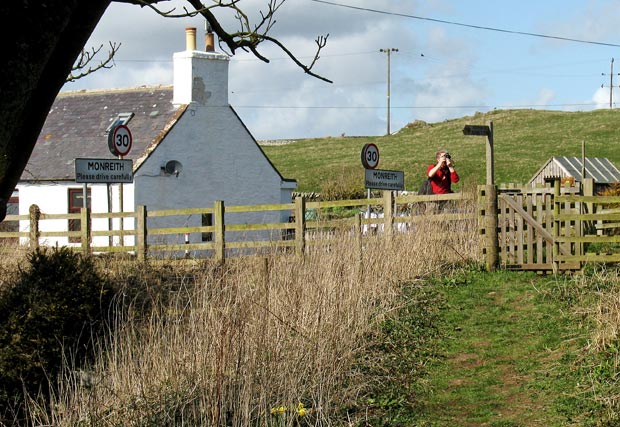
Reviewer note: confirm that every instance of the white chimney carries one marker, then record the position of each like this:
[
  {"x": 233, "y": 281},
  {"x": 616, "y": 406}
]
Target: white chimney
[{"x": 199, "y": 77}]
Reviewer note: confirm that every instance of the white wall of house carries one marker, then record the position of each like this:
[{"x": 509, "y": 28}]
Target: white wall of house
[
  {"x": 220, "y": 159},
  {"x": 53, "y": 198}
]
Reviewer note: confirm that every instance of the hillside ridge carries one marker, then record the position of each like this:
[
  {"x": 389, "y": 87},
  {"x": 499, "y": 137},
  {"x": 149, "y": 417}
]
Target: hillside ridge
[{"x": 523, "y": 141}]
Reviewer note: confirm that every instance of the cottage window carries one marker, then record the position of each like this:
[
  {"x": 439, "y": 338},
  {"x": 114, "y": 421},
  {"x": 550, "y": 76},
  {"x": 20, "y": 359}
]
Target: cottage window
[
  {"x": 207, "y": 221},
  {"x": 76, "y": 202}
]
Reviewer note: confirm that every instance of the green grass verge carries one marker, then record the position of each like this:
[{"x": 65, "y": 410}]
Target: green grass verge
[{"x": 501, "y": 349}]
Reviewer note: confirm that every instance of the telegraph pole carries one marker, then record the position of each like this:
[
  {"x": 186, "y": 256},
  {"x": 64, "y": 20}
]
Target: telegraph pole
[
  {"x": 388, "y": 51},
  {"x": 611, "y": 83}
]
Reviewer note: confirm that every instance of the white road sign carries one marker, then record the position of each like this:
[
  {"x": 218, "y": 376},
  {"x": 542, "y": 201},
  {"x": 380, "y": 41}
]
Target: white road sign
[
  {"x": 385, "y": 180},
  {"x": 122, "y": 140},
  {"x": 370, "y": 156},
  {"x": 103, "y": 170}
]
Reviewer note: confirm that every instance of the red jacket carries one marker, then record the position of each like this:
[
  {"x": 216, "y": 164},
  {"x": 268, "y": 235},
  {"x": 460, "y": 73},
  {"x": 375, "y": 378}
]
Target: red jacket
[{"x": 442, "y": 181}]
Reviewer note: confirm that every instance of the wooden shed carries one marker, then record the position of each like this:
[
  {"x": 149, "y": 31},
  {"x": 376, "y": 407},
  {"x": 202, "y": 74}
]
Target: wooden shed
[{"x": 602, "y": 170}]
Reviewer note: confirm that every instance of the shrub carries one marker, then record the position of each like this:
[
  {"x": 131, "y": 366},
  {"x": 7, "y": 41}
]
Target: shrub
[
  {"x": 612, "y": 190},
  {"x": 344, "y": 184},
  {"x": 53, "y": 310}
]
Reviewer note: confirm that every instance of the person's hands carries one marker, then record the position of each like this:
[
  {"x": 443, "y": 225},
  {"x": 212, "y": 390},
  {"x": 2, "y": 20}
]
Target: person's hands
[{"x": 448, "y": 162}]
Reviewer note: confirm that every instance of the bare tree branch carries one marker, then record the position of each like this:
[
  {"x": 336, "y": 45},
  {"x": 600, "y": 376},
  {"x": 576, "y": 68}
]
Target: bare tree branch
[
  {"x": 320, "y": 41},
  {"x": 86, "y": 58},
  {"x": 249, "y": 37}
]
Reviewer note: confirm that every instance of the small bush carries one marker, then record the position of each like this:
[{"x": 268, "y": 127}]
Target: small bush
[
  {"x": 344, "y": 184},
  {"x": 612, "y": 190},
  {"x": 52, "y": 311}
]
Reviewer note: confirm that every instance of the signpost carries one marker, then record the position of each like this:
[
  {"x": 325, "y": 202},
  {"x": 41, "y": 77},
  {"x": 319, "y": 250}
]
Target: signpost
[
  {"x": 385, "y": 179},
  {"x": 120, "y": 142},
  {"x": 376, "y": 178},
  {"x": 492, "y": 242},
  {"x": 483, "y": 130},
  {"x": 98, "y": 171}
]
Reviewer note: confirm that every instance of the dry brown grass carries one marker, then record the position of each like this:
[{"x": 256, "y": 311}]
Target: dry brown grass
[
  {"x": 601, "y": 287},
  {"x": 247, "y": 343}
]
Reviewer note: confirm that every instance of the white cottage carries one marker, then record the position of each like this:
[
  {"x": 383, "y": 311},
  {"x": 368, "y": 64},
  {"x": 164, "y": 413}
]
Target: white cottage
[{"x": 190, "y": 148}]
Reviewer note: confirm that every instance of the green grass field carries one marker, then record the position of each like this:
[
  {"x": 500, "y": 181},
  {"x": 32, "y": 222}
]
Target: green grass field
[
  {"x": 523, "y": 139},
  {"x": 501, "y": 349}
]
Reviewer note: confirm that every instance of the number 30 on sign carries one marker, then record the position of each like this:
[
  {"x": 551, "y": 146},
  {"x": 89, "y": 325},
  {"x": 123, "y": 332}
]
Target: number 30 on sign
[
  {"x": 121, "y": 140},
  {"x": 370, "y": 156}
]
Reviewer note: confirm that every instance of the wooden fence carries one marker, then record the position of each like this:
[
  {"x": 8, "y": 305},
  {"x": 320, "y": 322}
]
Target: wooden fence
[
  {"x": 388, "y": 214},
  {"x": 531, "y": 229},
  {"x": 586, "y": 229}
]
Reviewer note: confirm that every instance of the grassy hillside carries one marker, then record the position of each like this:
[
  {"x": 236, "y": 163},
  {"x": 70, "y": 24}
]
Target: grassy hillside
[{"x": 524, "y": 141}]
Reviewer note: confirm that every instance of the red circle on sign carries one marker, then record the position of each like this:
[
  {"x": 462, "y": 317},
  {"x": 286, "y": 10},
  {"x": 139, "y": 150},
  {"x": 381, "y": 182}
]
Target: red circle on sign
[
  {"x": 370, "y": 156},
  {"x": 122, "y": 140}
]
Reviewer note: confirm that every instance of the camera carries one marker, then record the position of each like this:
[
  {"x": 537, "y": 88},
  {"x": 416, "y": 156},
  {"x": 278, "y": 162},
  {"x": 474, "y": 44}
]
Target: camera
[{"x": 447, "y": 156}]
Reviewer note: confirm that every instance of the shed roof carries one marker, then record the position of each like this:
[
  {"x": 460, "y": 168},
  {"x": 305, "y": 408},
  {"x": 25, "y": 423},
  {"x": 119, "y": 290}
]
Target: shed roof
[
  {"x": 76, "y": 127},
  {"x": 602, "y": 170}
]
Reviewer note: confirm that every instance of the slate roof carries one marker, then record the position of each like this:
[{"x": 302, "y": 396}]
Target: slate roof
[
  {"x": 602, "y": 170},
  {"x": 77, "y": 122}
]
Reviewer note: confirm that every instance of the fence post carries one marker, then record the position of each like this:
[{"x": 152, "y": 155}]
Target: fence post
[
  {"x": 556, "y": 227},
  {"x": 487, "y": 202},
  {"x": 360, "y": 245},
  {"x": 587, "y": 189},
  {"x": 220, "y": 228},
  {"x": 300, "y": 225},
  {"x": 141, "y": 233},
  {"x": 85, "y": 227},
  {"x": 388, "y": 213},
  {"x": 35, "y": 215}
]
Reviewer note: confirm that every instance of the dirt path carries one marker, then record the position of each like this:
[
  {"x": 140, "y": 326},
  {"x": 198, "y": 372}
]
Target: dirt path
[{"x": 506, "y": 352}]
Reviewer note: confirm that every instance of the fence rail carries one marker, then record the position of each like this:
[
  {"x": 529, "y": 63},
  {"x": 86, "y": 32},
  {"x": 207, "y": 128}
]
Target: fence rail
[
  {"x": 536, "y": 229},
  {"x": 587, "y": 229},
  {"x": 307, "y": 224}
]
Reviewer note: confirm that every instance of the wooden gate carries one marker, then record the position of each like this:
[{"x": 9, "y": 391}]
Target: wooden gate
[
  {"x": 556, "y": 229},
  {"x": 526, "y": 229}
]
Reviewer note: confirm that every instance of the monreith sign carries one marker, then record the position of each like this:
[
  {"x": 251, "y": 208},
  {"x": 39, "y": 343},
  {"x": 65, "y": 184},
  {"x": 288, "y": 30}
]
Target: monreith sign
[{"x": 90, "y": 171}]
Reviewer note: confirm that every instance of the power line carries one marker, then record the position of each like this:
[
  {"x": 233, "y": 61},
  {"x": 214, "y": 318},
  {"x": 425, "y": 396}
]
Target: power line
[
  {"x": 357, "y": 107},
  {"x": 460, "y": 24}
]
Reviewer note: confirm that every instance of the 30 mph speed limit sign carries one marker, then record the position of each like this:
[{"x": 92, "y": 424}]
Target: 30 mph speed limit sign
[
  {"x": 121, "y": 141},
  {"x": 370, "y": 156}
]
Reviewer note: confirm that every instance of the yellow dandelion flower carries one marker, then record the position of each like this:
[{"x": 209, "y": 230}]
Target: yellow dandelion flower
[
  {"x": 282, "y": 409},
  {"x": 301, "y": 409},
  {"x": 274, "y": 411}
]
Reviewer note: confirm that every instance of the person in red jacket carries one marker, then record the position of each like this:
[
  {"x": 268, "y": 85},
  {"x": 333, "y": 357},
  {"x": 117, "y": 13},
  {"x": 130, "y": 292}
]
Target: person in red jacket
[{"x": 442, "y": 174}]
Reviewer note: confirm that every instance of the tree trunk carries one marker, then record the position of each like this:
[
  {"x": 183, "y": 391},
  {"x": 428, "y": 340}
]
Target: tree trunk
[{"x": 38, "y": 57}]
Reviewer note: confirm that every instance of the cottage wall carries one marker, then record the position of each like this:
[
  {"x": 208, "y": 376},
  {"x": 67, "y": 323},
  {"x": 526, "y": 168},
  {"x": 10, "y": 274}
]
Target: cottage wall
[
  {"x": 220, "y": 161},
  {"x": 53, "y": 198},
  {"x": 218, "y": 157}
]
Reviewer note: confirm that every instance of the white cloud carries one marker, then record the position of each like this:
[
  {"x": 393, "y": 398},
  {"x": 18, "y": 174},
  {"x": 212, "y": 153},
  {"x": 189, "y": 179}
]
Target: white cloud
[
  {"x": 601, "y": 98},
  {"x": 437, "y": 69},
  {"x": 545, "y": 97}
]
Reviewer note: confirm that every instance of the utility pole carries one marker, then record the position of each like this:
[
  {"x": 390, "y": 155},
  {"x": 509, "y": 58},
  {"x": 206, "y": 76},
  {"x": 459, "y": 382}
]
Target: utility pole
[
  {"x": 388, "y": 51},
  {"x": 611, "y": 83}
]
